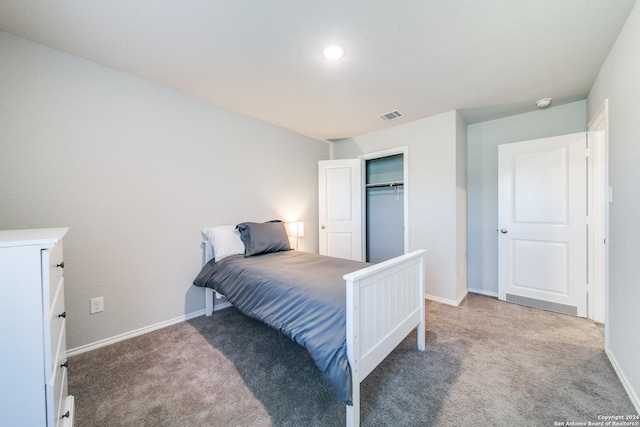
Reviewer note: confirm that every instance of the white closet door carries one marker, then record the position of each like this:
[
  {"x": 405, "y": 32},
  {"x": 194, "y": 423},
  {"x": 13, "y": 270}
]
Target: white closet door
[{"x": 340, "y": 208}]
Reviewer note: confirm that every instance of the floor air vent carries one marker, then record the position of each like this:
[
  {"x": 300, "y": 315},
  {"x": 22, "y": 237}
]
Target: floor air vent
[
  {"x": 544, "y": 305},
  {"x": 391, "y": 115}
]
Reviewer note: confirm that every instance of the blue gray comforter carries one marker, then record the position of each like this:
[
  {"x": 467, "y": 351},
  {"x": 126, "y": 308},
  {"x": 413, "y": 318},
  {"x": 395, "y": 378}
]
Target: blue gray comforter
[{"x": 300, "y": 294}]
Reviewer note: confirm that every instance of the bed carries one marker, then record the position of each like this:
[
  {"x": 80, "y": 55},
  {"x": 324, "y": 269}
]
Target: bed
[{"x": 349, "y": 315}]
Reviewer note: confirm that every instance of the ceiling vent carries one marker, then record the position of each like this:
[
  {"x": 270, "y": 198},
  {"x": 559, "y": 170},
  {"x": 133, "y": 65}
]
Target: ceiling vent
[{"x": 391, "y": 115}]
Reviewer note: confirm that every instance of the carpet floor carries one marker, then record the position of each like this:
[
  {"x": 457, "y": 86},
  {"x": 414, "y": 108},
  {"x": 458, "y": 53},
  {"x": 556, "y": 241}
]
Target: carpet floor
[{"x": 487, "y": 363}]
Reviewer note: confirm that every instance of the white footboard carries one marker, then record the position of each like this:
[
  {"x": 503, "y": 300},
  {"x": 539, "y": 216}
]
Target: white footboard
[{"x": 385, "y": 302}]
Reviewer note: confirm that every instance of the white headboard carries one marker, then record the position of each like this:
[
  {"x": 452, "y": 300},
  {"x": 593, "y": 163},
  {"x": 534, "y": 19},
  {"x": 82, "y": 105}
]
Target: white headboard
[
  {"x": 207, "y": 249},
  {"x": 207, "y": 255}
]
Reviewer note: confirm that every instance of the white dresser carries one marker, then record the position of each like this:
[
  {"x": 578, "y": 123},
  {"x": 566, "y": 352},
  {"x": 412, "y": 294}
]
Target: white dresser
[{"x": 32, "y": 361}]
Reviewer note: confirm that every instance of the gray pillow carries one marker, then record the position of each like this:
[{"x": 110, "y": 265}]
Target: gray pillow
[{"x": 263, "y": 238}]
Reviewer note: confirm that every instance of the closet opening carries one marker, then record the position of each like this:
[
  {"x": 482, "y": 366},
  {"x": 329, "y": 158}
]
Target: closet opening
[{"x": 385, "y": 206}]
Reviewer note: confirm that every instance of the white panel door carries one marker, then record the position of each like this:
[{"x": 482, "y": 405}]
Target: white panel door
[
  {"x": 340, "y": 208},
  {"x": 542, "y": 224}
]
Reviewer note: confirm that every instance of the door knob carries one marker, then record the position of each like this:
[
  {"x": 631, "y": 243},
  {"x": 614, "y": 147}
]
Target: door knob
[
  {"x": 322, "y": 227},
  {"x": 504, "y": 231}
]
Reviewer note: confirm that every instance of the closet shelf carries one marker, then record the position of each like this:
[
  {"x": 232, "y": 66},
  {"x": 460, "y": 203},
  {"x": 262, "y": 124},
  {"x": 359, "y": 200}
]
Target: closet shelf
[{"x": 386, "y": 184}]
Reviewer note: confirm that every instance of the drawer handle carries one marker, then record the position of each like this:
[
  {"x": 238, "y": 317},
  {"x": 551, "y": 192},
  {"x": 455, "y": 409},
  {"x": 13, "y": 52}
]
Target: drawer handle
[
  {"x": 65, "y": 364},
  {"x": 63, "y": 315},
  {"x": 61, "y": 265},
  {"x": 66, "y": 415}
]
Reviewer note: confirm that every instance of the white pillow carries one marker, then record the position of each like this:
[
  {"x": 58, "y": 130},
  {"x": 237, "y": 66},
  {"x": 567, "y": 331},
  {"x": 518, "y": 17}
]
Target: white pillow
[{"x": 225, "y": 240}]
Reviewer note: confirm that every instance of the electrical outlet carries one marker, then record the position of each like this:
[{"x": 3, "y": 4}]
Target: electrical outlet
[{"x": 97, "y": 305}]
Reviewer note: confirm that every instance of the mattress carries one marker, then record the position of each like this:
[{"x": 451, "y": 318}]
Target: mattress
[{"x": 300, "y": 294}]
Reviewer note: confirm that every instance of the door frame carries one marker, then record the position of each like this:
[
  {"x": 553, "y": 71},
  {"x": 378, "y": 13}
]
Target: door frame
[
  {"x": 404, "y": 150},
  {"x": 600, "y": 194}
]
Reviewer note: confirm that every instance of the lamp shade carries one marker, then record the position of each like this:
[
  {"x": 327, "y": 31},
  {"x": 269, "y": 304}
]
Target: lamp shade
[{"x": 296, "y": 229}]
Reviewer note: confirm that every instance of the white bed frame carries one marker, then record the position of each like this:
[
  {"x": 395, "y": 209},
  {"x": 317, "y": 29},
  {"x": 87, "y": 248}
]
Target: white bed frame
[{"x": 385, "y": 302}]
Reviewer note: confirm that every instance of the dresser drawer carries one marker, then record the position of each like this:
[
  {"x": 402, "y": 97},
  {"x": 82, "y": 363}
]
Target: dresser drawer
[
  {"x": 55, "y": 341},
  {"x": 52, "y": 268},
  {"x": 56, "y": 393},
  {"x": 61, "y": 396}
]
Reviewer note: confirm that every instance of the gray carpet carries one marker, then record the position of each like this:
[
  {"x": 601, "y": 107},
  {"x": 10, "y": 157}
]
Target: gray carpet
[{"x": 487, "y": 363}]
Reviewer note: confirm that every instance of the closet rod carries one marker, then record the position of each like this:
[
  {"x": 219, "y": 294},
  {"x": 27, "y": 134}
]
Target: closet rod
[{"x": 385, "y": 184}]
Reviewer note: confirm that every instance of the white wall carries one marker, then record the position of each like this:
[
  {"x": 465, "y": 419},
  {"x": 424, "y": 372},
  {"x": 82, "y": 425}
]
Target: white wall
[
  {"x": 136, "y": 170},
  {"x": 431, "y": 190},
  {"x": 482, "y": 186},
  {"x": 619, "y": 81}
]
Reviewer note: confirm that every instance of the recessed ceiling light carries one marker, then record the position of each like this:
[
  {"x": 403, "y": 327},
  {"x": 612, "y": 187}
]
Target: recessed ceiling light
[{"x": 333, "y": 52}]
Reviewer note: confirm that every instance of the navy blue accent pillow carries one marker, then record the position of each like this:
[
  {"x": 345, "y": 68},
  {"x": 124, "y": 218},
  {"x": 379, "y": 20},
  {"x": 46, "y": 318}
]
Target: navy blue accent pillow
[{"x": 263, "y": 237}]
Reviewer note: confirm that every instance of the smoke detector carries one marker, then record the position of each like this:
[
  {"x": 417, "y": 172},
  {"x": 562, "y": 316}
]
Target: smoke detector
[{"x": 543, "y": 103}]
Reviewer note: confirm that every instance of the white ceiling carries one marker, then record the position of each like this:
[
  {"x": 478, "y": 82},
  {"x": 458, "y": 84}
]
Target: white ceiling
[{"x": 487, "y": 58}]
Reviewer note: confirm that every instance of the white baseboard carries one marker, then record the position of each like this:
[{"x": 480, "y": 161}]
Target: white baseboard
[
  {"x": 623, "y": 379},
  {"x": 135, "y": 333},
  {"x": 455, "y": 303},
  {"x": 462, "y": 297},
  {"x": 221, "y": 305},
  {"x": 484, "y": 292}
]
